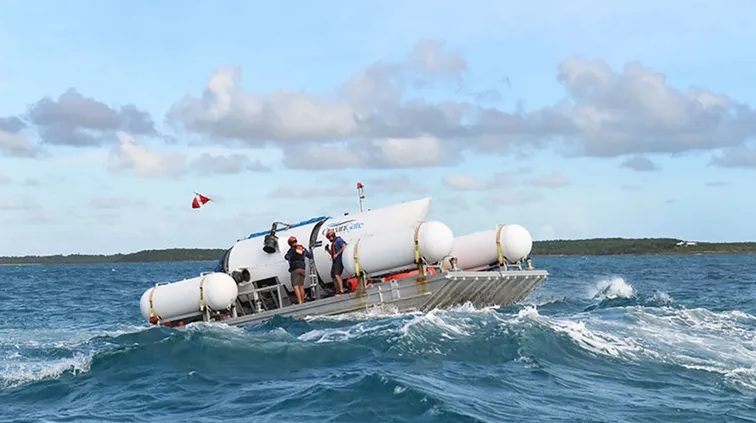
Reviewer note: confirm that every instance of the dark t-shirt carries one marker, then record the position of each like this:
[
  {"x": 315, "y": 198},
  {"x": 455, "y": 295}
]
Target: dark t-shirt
[{"x": 296, "y": 257}]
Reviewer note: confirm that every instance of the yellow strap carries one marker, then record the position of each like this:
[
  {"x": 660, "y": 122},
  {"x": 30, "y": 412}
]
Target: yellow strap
[
  {"x": 417, "y": 243},
  {"x": 360, "y": 276},
  {"x": 356, "y": 255},
  {"x": 418, "y": 262},
  {"x": 202, "y": 293},
  {"x": 498, "y": 244},
  {"x": 152, "y": 306}
]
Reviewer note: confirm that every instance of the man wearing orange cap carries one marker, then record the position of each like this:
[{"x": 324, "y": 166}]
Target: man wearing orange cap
[{"x": 296, "y": 258}]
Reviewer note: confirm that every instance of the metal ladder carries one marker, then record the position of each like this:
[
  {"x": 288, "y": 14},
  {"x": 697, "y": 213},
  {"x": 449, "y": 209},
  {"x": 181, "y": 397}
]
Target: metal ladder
[{"x": 314, "y": 287}]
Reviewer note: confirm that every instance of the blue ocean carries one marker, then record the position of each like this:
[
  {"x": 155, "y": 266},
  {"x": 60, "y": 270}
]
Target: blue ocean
[{"x": 605, "y": 339}]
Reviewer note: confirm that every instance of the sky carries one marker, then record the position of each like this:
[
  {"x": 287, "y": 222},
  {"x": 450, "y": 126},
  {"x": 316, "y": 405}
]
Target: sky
[{"x": 577, "y": 119}]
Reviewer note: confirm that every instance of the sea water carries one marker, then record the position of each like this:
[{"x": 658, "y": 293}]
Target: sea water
[{"x": 605, "y": 339}]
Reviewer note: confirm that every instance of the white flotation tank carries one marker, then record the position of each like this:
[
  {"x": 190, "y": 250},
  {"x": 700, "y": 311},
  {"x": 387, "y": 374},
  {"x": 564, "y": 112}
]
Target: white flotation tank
[
  {"x": 478, "y": 250},
  {"x": 395, "y": 250},
  {"x": 516, "y": 242},
  {"x": 182, "y": 299}
]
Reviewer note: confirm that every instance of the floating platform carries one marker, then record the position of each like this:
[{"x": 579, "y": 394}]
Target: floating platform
[
  {"x": 495, "y": 287},
  {"x": 393, "y": 259}
]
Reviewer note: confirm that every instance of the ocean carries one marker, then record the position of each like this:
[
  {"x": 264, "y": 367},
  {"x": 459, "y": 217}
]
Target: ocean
[{"x": 605, "y": 339}]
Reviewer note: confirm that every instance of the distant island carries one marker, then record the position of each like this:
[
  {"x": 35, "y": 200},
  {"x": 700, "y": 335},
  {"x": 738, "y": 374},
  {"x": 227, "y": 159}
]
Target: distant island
[{"x": 569, "y": 247}]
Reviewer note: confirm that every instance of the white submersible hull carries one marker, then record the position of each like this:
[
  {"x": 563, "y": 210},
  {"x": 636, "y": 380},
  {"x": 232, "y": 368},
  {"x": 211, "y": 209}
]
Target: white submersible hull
[{"x": 395, "y": 259}]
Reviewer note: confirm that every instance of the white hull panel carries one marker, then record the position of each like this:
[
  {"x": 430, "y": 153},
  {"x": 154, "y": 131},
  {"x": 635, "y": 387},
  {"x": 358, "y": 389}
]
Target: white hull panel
[{"x": 248, "y": 253}]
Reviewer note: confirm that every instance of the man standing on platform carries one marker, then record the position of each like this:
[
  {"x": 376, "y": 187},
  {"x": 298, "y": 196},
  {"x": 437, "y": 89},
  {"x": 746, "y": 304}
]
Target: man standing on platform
[{"x": 336, "y": 248}]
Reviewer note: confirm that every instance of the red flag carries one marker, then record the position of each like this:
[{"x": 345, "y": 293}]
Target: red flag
[{"x": 199, "y": 200}]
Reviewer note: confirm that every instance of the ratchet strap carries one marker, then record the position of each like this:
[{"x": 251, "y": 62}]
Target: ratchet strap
[
  {"x": 418, "y": 260},
  {"x": 498, "y": 244}
]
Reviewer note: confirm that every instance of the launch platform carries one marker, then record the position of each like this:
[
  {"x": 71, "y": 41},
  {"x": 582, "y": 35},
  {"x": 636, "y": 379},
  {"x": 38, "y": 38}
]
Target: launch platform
[{"x": 394, "y": 259}]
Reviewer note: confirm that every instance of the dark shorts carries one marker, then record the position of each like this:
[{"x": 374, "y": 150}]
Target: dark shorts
[
  {"x": 337, "y": 267},
  {"x": 297, "y": 277}
]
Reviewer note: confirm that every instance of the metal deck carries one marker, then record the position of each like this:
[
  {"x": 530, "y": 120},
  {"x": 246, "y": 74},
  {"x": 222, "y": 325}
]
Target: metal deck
[{"x": 442, "y": 290}]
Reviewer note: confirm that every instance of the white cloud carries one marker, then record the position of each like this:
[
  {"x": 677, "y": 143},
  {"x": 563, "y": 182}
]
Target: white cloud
[
  {"x": 208, "y": 163},
  {"x": 317, "y": 156},
  {"x": 431, "y": 57},
  {"x": 116, "y": 202},
  {"x": 14, "y": 141},
  {"x": 409, "y": 152},
  {"x": 509, "y": 197},
  {"x": 14, "y": 203},
  {"x": 226, "y": 111},
  {"x": 395, "y": 183},
  {"x": 554, "y": 180},
  {"x": 310, "y": 192},
  {"x": 389, "y": 185},
  {"x": 501, "y": 181},
  {"x": 370, "y": 120},
  {"x": 74, "y": 119},
  {"x": 376, "y": 119},
  {"x": 375, "y": 154},
  {"x": 5, "y": 179},
  {"x": 635, "y": 111},
  {"x": 455, "y": 204},
  {"x": 129, "y": 155},
  {"x": 742, "y": 156},
  {"x": 464, "y": 182},
  {"x": 640, "y": 164}
]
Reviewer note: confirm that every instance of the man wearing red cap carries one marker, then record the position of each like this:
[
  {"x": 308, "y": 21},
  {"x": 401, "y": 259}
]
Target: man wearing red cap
[
  {"x": 296, "y": 258},
  {"x": 336, "y": 248}
]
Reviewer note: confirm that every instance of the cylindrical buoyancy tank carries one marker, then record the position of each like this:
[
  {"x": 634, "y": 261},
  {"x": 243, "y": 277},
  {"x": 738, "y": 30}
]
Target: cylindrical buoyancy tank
[
  {"x": 395, "y": 250},
  {"x": 183, "y": 298},
  {"x": 478, "y": 249}
]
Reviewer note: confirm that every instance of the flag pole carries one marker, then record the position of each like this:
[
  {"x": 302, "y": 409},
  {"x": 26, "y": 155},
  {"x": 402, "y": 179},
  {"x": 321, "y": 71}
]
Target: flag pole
[{"x": 361, "y": 194}]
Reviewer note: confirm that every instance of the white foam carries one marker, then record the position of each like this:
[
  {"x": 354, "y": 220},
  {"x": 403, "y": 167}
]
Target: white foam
[
  {"x": 612, "y": 288},
  {"x": 597, "y": 341},
  {"x": 371, "y": 313},
  {"x": 19, "y": 367},
  {"x": 700, "y": 339},
  {"x": 450, "y": 323},
  {"x": 344, "y": 334},
  {"x": 742, "y": 377},
  {"x": 59, "y": 338},
  {"x": 16, "y": 373},
  {"x": 217, "y": 327},
  {"x": 540, "y": 302},
  {"x": 661, "y": 298}
]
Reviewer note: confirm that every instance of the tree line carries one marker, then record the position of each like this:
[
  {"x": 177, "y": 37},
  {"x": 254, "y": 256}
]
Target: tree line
[
  {"x": 569, "y": 247},
  {"x": 144, "y": 256},
  {"x": 617, "y": 246}
]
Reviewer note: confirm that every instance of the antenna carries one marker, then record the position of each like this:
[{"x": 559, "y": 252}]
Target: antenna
[{"x": 362, "y": 195}]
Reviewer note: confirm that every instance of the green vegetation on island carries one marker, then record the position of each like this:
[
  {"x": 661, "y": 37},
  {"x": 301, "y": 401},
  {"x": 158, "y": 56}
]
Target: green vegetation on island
[
  {"x": 167, "y": 255},
  {"x": 617, "y": 246},
  {"x": 570, "y": 247}
]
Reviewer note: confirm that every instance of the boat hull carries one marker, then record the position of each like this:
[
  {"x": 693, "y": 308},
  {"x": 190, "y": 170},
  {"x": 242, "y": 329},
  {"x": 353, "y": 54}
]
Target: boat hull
[{"x": 442, "y": 290}]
